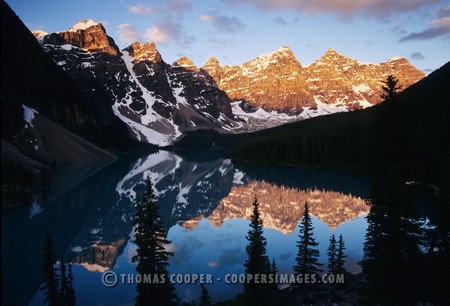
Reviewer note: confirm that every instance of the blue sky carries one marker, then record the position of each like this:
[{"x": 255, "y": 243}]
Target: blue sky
[{"x": 236, "y": 31}]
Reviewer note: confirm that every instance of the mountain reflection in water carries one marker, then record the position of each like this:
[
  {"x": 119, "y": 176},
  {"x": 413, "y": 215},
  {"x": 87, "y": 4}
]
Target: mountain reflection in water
[{"x": 205, "y": 204}]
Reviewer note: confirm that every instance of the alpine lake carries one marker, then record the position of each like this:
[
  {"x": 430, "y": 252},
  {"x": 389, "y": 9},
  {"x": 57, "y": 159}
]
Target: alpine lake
[{"x": 205, "y": 202}]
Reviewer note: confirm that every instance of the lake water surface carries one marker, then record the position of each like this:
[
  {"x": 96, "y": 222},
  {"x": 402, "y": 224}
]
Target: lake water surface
[{"x": 206, "y": 203}]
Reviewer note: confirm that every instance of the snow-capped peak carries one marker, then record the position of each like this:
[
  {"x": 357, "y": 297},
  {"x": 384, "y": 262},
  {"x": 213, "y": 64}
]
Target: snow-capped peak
[
  {"x": 281, "y": 51},
  {"x": 396, "y": 58},
  {"x": 83, "y": 25},
  {"x": 39, "y": 33},
  {"x": 265, "y": 60}
]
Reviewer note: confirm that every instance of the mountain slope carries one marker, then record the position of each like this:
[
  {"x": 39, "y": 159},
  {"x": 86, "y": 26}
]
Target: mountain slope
[
  {"x": 278, "y": 82},
  {"x": 44, "y": 120},
  {"x": 30, "y": 76},
  {"x": 156, "y": 101},
  {"x": 345, "y": 140},
  {"x": 52, "y": 143},
  {"x": 161, "y": 102}
]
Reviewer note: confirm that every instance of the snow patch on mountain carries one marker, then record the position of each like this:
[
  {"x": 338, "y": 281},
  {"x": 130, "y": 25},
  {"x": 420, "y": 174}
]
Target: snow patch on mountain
[
  {"x": 35, "y": 209},
  {"x": 177, "y": 89},
  {"x": 182, "y": 194},
  {"x": 156, "y": 166},
  {"x": 151, "y": 115},
  {"x": 261, "y": 119},
  {"x": 396, "y": 58},
  {"x": 361, "y": 88},
  {"x": 83, "y": 25},
  {"x": 237, "y": 178},
  {"x": 28, "y": 115},
  {"x": 323, "y": 109},
  {"x": 152, "y": 128}
]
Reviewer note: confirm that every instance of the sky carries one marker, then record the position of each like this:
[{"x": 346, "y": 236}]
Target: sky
[{"x": 236, "y": 31}]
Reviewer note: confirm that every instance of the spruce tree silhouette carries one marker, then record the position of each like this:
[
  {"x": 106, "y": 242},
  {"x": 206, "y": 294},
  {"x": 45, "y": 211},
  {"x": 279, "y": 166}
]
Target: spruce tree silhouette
[
  {"x": 331, "y": 252},
  {"x": 340, "y": 256},
  {"x": 307, "y": 254},
  {"x": 205, "y": 299},
  {"x": 392, "y": 243},
  {"x": 50, "y": 286},
  {"x": 151, "y": 254},
  {"x": 257, "y": 262}
]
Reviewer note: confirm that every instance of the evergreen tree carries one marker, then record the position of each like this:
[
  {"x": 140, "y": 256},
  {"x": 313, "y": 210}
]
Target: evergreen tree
[
  {"x": 331, "y": 252},
  {"x": 274, "y": 272},
  {"x": 50, "y": 285},
  {"x": 340, "y": 256},
  {"x": 307, "y": 255},
  {"x": 257, "y": 262},
  {"x": 151, "y": 254},
  {"x": 439, "y": 234},
  {"x": 64, "y": 287},
  {"x": 390, "y": 132},
  {"x": 273, "y": 267},
  {"x": 71, "y": 299},
  {"x": 205, "y": 299},
  {"x": 66, "y": 296},
  {"x": 390, "y": 88},
  {"x": 392, "y": 242}
]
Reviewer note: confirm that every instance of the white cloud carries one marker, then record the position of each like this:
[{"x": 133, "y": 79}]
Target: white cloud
[
  {"x": 169, "y": 32},
  {"x": 158, "y": 34},
  {"x": 127, "y": 33},
  {"x": 143, "y": 10},
  {"x": 223, "y": 23},
  {"x": 444, "y": 21},
  {"x": 105, "y": 23},
  {"x": 179, "y": 6},
  {"x": 344, "y": 8},
  {"x": 206, "y": 18}
]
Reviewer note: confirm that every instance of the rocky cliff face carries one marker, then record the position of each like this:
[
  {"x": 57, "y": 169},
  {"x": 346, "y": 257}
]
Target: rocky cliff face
[
  {"x": 157, "y": 101},
  {"x": 86, "y": 34},
  {"x": 337, "y": 79},
  {"x": 272, "y": 81},
  {"x": 144, "y": 52},
  {"x": 277, "y": 81},
  {"x": 282, "y": 208}
]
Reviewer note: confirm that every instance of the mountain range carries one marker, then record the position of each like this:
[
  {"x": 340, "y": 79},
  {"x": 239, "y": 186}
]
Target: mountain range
[
  {"x": 159, "y": 101},
  {"x": 79, "y": 86}
]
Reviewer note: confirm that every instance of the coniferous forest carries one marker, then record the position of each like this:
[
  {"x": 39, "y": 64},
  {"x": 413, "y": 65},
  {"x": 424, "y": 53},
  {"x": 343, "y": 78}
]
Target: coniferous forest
[{"x": 405, "y": 254}]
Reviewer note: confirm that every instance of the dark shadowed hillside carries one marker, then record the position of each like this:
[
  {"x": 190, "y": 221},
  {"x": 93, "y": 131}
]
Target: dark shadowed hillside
[
  {"x": 29, "y": 76},
  {"x": 346, "y": 140}
]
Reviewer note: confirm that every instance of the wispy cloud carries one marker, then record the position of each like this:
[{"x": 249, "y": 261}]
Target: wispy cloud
[
  {"x": 127, "y": 33},
  {"x": 430, "y": 33},
  {"x": 417, "y": 56},
  {"x": 32, "y": 26},
  {"x": 169, "y": 32},
  {"x": 179, "y": 6},
  {"x": 105, "y": 23},
  {"x": 140, "y": 9},
  {"x": 441, "y": 22},
  {"x": 438, "y": 28},
  {"x": 444, "y": 11},
  {"x": 379, "y": 9},
  {"x": 223, "y": 23},
  {"x": 280, "y": 21}
]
